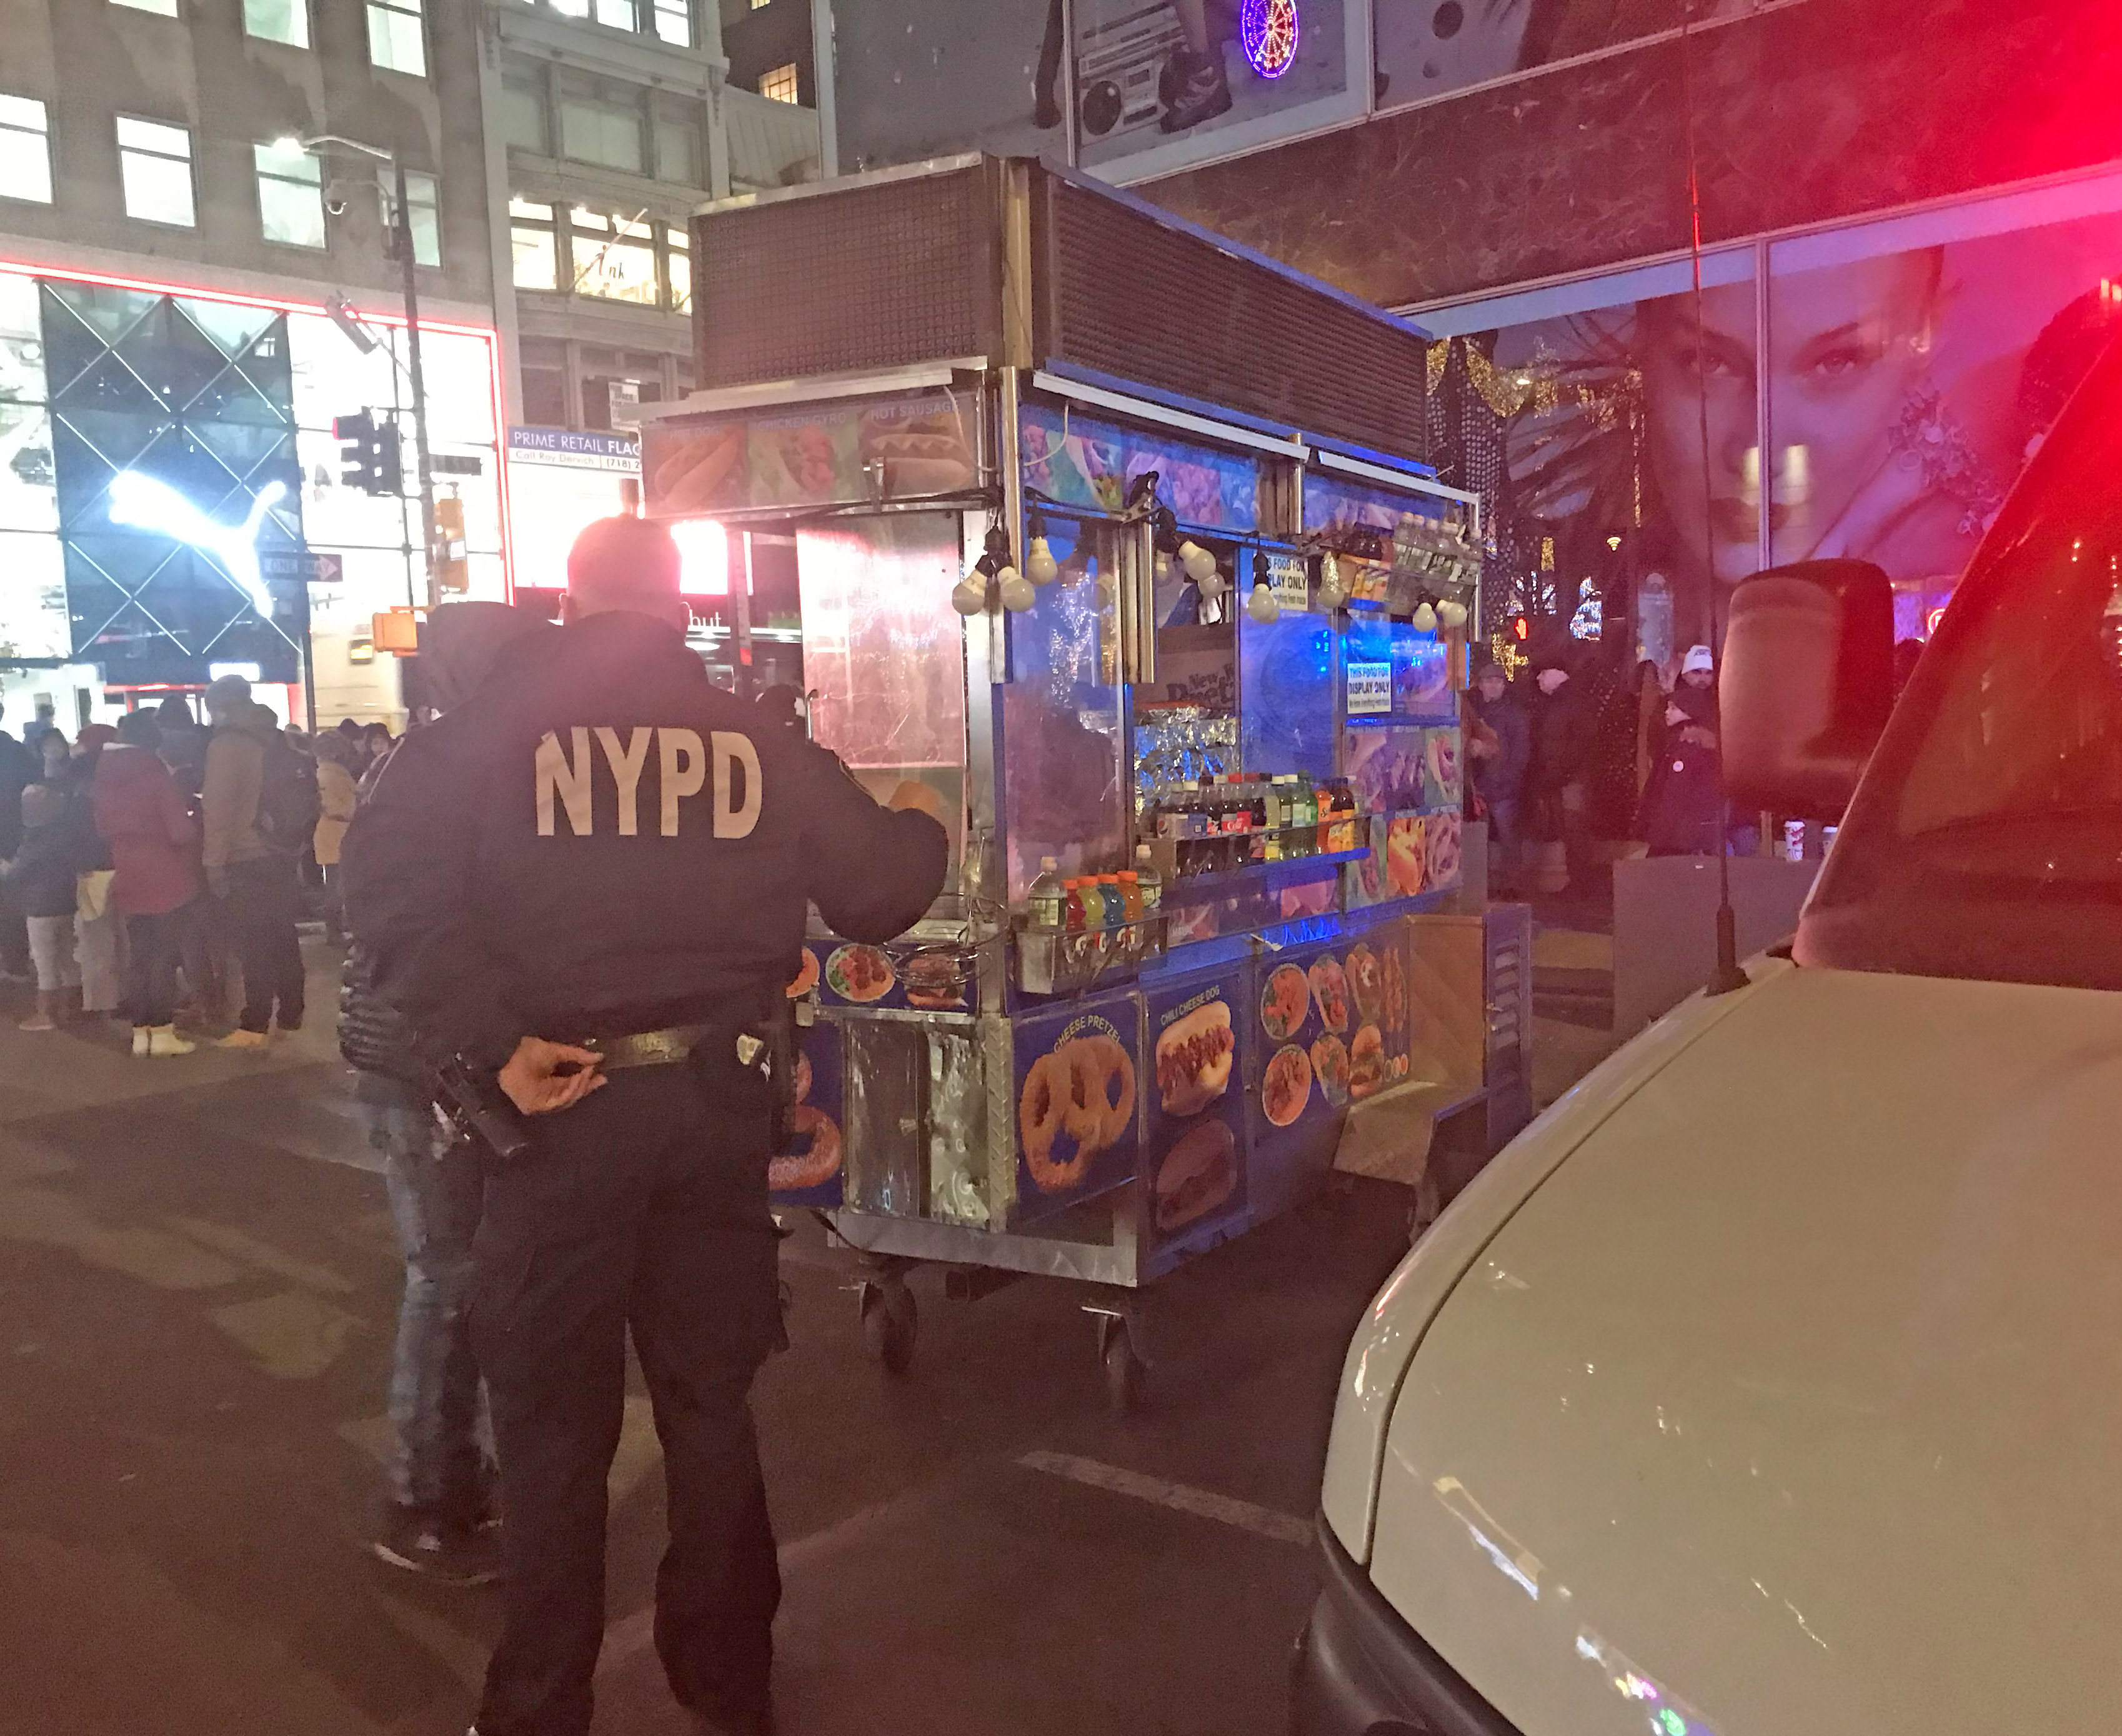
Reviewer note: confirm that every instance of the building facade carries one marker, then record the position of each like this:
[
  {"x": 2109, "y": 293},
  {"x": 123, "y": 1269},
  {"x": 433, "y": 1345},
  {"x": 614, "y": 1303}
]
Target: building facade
[
  {"x": 191, "y": 296},
  {"x": 609, "y": 121}
]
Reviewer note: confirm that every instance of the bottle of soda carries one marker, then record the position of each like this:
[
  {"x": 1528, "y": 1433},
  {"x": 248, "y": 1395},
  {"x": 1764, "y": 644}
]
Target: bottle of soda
[{"x": 1147, "y": 877}]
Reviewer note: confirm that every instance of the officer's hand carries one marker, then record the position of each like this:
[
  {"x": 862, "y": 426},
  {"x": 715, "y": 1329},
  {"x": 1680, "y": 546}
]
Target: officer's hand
[{"x": 532, "y": 1082}]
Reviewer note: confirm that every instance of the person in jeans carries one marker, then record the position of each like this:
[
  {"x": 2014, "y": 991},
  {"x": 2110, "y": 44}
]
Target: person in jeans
[
  {"x": 41, "y": 880},
  {"x": 142, "y": 814},
  {"x": 438, "y": 1521},
  {"x": 254, "y": 882},
  {"x": 99, "y": 929}
]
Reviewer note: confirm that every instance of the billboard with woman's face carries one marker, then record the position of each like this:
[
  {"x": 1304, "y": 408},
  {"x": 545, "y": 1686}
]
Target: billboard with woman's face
[{"x": 1905, "y": 388}]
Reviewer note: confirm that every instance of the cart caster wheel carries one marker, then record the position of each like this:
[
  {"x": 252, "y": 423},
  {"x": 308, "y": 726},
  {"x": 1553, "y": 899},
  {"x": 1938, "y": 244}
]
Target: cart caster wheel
[
  {"x": 890, "y": 1324},
  {"x": 1124, "y": 1371}
]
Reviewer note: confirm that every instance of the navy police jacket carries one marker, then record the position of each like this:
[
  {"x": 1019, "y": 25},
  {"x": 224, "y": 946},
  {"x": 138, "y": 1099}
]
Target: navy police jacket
[{"x": 602, "y": 835}]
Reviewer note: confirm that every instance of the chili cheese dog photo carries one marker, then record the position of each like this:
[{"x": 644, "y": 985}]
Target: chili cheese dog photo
[
  {"x": 1198, "y": 1175},
  {"x": 1193, "y": 1057}
]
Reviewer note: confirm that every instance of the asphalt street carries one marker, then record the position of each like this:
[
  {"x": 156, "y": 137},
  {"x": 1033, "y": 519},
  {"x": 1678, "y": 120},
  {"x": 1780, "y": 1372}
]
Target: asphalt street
[{"x": 200, "y": 1285}]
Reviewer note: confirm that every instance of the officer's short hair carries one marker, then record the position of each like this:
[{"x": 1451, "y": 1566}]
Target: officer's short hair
[{"x": 625, "y": 556}]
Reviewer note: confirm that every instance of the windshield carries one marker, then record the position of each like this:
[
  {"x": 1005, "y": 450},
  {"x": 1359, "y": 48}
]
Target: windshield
[{"x": 1986, "y": 839}]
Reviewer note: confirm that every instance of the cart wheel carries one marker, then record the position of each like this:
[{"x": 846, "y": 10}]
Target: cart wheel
[
  {"x": 1124, "y": 1374},
  {"x": 890, "y": 1323}
]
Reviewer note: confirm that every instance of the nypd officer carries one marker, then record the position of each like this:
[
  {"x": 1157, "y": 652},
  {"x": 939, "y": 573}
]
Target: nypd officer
[{"x": 587, "y": 886}]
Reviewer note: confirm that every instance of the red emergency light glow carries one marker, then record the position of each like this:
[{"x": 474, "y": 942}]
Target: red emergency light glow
[{"x": 703, "y": 557}]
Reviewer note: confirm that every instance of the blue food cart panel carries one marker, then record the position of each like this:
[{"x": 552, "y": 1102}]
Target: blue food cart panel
[
  {"x": 1076, "y": 1075},
  {"x": 1199, "y": 1038}
]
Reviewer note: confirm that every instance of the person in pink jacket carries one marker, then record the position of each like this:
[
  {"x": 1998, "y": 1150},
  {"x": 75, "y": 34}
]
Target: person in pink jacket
[{"x": 141, "y": 812}]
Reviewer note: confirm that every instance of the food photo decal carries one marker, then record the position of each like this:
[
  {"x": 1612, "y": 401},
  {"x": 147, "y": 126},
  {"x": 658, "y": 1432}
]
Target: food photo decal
[{"x": 1078, "y": 1101}]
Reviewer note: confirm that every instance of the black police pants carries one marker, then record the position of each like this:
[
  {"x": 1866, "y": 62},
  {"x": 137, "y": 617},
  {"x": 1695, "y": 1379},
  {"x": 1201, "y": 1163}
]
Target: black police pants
[{"x": 643, "y": 1206}]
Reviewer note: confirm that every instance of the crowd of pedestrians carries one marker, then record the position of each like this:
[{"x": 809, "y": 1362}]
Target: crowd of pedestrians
[
  {"x": 1580, "y": 749},
  {"x": 149, "y": 869}
]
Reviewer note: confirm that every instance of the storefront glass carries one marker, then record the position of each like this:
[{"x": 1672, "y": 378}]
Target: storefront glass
[{"x": 170, "y": 478}]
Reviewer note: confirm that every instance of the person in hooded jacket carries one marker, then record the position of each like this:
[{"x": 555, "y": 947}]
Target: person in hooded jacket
[
  {"x": 142, "y": 814},
  {"x": 437, "y": 1521},
  {"x": 253, "y": 876},
  {"x": 99, "y": 928},
  {"x": 1563, "y": 741},
  {"x": 1684, "y": 802}
]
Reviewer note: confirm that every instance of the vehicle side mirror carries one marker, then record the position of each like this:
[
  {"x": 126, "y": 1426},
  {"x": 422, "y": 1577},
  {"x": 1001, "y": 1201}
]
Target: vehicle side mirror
[{"x": 1805, "y": 685}]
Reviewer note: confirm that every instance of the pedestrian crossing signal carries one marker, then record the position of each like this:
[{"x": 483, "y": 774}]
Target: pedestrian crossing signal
[{"x": 1521, "y": 628}]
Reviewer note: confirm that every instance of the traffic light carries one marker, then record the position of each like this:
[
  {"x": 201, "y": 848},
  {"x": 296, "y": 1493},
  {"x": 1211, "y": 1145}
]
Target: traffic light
[
  {"x": 452, "y": 570},
  {"x": 369, "y": 451}
]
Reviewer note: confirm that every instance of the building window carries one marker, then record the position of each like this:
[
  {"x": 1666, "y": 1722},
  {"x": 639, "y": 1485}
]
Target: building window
[
  {"x": 680, "y": 255},
  {"x": 601, "y": 125},
  {"x": 523, "y": 112},
  {"x": 278, "y": 20},
  {"x": 290, "y": 201},
  {"x": 26, "y": 150},
  {"x": 613, "y": 258},
  {"x": 422, "y": 194},
  {"x": 617, "y": 15},
  {"x": 757, "y": 4},
  {"x": 544, "y": 383},
  {"x": 677, "y": 147},
  {"x": 397, "y": 41},
  {"x": 779, "y": 84},
  {"x": 155, "y": 164},
  {"x": 674, "y": 22},
  {"x": 165, "y": 8},
  {"x": 533, "y": 239}
]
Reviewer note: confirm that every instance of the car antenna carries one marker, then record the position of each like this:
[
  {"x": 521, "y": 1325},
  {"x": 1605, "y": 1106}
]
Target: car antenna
[{"x": 1728, "y": 973}]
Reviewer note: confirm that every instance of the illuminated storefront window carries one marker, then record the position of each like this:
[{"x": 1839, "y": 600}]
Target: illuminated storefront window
[{"x": 535, "y": 244}]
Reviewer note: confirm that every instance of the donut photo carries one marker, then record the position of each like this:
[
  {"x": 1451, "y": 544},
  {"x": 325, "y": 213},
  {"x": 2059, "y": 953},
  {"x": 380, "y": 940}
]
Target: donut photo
[
  {"x": 1286, "y": 1085},
  {"x": 1330, "y": 988},
  {"x": 813, "y": 1157},
  {"x": 1285, "y": 1000},
  {"x": 1078, "y": 1100},
  {"x": 860, "y": 974}
]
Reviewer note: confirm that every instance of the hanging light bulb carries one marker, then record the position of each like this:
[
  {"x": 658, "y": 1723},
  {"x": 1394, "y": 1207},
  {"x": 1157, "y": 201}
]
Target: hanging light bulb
[
  {"x": 1214, "y": 585},
  {"x": 1263, "y": 605},
  {"x": 1452, "y": 615},
  {"x": 1424, "y": 619},
  {"x": 1015, "y": 590},
  {"x": 1040, "y": 565},
  {"x": 970, "y": 595},
  {"x": 1199, "y": 564},
  {"x": 1331, "y": 595}
]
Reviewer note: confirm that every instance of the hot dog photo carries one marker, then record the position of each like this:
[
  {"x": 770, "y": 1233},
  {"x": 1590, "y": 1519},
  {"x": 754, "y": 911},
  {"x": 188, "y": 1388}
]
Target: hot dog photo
[{"x": 1197, "y": 1151}]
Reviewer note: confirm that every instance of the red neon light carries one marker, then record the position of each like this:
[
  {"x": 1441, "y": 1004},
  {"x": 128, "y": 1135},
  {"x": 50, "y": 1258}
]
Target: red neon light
[{"x": 200, "y": 293}]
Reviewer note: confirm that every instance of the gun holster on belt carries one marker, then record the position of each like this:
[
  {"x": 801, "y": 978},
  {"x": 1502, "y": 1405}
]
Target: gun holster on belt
[
  {"x": 750, "y": 1066},
  {"x": 482, "y": 1112}
]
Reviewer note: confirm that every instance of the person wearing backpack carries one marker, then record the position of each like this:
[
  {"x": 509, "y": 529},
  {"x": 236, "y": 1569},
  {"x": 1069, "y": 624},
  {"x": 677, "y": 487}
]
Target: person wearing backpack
[{"x": 260, "y": 805}]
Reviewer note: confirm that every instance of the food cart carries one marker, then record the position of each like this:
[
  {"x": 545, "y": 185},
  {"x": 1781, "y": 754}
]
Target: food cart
[{"x": 1111, "y": 542}]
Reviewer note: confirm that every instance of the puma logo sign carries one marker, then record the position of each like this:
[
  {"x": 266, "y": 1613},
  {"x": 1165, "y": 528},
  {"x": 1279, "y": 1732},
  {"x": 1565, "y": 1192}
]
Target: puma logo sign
[{"x": 565, "y": 779}]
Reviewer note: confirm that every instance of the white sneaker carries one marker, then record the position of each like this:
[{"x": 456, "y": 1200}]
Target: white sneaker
[
  {"x": 163, "y": 1039},
  {"x": 141, "y": 1040}
]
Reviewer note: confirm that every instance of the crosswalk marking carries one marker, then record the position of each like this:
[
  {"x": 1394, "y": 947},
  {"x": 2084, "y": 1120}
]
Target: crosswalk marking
[{"x": 1283, "y": 1527}]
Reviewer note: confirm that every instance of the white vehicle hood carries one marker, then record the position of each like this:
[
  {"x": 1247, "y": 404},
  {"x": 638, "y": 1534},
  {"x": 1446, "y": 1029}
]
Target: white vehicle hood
[{"x": 1790, "y": 1403}]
